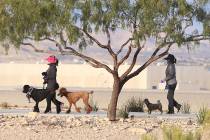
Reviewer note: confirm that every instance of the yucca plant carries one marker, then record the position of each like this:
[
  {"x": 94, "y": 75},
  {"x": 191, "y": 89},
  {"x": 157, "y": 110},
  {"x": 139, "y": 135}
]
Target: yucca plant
[
  {"x": 175, "y": 133},
  {"x": 123, "y": 112},
  {"x": 135, "y": 105},
  {"x": 93, "y": 104},
  {"x": 185, "y": 108},
  {"x": 202, "y": 115},
  {"x": 95, "y": 107}
]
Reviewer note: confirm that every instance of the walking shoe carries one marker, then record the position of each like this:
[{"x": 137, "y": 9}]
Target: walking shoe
[
  {"x": 58, "y": 109},
  {"x": 178, "y": 107},
  {"x": 170, "y": 110}
]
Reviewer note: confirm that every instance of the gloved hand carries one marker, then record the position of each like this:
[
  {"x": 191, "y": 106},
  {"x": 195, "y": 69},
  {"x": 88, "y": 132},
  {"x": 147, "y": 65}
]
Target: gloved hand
[
  {"x": 44, "y": 73},
  {"x": 162, "y": 81}
]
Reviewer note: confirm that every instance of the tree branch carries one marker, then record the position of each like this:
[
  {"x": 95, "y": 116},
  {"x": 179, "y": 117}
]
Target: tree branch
[
  {"x": 132, "y": 64},
  {"x": 125, "y": 57},
  {"x": 123, "y": 45},
  {"x": 108, "y": 36},
  {"x": 90, "y": 60},
  {"x": 58, "y": 45},
  {"x": 94, "y": 39},
  {"x": 147, "y": 63},
  {"x": 35, "y": 49}
]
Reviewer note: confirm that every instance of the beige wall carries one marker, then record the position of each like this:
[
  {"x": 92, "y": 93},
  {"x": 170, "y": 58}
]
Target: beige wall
[
  {"x": 188, "y": 77},
  {"x": 69, "y": 75},
  {"x": 85, "y": 76}
]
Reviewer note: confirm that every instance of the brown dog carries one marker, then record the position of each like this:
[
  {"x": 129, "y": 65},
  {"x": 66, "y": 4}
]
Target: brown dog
[{"x": 73, "y": 97}]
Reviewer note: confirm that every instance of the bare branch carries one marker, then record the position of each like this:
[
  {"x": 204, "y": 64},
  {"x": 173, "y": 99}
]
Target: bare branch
[
  {"x": 147, "y": 63},
  {"x": 123, "y": 45},
  {"x": 139, "y": 48},
  {"x": 125, "y": 57},
  {"x": 58, "y": 45},
  {"x": 108, "y": 36},
  {"x": 35, "y": 49},
  {"x": 90, "y": 60},
  {"x": 132, "y": 64},
  {"x": 62, "y": 39},
  {"x": 197, "y": 38},
  {"x": 94, "y": 39},
  {"x": 92, "y": 64}
]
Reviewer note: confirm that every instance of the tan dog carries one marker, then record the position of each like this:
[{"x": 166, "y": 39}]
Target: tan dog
[{"x": 73, "y": 97}]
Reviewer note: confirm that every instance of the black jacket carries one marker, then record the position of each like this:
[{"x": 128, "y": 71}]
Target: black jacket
[
  {"x": 51, "y": 77},
  {"x": 170, "y": 74}
]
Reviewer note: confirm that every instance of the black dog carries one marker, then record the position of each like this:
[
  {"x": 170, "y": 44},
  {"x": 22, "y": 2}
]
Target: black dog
[
  {"x": 152, "y": 107},
  {"x": 36, "y": 94},
  {"x": 44, "y": 74}
]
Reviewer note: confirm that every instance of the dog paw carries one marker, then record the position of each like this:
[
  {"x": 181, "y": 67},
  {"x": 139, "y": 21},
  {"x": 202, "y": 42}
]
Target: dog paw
[
  {"x": 68, "y": 111},
  {"x": 46, "y": 111}
]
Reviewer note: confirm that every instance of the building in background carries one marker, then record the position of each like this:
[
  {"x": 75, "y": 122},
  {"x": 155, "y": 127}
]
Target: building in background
[{"x": 85, "y": 76}]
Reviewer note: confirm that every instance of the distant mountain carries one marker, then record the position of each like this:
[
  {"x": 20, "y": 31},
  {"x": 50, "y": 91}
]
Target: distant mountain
[{"x": 198, "y": 55}]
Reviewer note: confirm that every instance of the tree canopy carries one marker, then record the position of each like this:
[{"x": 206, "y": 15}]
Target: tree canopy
[{"x": 41, "y": 19}]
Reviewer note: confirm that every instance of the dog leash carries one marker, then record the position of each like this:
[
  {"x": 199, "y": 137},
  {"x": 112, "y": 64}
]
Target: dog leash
[{"x": 30, "y": 91}]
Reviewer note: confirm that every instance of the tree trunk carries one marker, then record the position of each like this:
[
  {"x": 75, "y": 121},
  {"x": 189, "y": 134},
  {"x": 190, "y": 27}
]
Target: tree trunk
[{"x": 112, "y": 107}]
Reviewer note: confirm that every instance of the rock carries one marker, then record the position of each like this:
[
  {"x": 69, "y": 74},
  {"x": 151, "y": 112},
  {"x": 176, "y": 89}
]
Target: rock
[
  {"x": 69, "y": 120},
  {"x": 139, "y": 131},
  {"x": 155, "y": 125},
  {"x": 106, "y": 119},
  {"x": 96, "y": 128},
  {"x": 24, "y": 122},
  {"x": 122, "y": 120},
  {"x": 189, "y": 122},
  {"x": 32, "y": 115}
]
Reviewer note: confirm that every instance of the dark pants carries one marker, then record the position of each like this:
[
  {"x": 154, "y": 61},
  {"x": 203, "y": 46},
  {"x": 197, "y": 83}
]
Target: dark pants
[
  {"x": 52, "y": 97},
  {"x": 171, "y": 101}
]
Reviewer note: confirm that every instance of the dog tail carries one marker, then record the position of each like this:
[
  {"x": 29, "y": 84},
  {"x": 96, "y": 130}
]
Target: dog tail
[{"x": 91, "y": 92}]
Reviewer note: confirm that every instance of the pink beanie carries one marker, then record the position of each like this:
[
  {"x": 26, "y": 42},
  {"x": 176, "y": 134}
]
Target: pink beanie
[{"x": 51, "y": 59}]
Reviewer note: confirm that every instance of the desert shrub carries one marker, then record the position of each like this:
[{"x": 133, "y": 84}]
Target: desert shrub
[
  {"x": 185, "y": 108},
  {"x": 175, "y": 133},
  {"x": 148, "y": 136},
  {"x": 203, "y": 116},
  {"x": 135, "y": 105},
  {"x": 93, "y": 104},
  {"x": 123, "y": 112},
  {"x": 4, "y": 105}
]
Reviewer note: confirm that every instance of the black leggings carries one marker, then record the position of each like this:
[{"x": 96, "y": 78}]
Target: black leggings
[{"x": 52, "y": 97}]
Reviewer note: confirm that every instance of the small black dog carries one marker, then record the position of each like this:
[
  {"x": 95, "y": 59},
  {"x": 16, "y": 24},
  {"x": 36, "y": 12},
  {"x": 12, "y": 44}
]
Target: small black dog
[
  {"x": 36, "y": 94},
  {"x": 152, "y": 107},
  {"x": 45, "y": 78}
]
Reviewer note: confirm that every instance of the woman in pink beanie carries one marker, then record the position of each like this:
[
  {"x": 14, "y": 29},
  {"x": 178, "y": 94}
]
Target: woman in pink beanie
[{"x": 52, "y": 84}]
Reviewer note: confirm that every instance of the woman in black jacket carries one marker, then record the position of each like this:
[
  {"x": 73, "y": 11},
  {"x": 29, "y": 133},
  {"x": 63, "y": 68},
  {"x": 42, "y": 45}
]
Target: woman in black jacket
[
  {"x": 171, "y": 83},
  {"x": 52, "y": 84}
]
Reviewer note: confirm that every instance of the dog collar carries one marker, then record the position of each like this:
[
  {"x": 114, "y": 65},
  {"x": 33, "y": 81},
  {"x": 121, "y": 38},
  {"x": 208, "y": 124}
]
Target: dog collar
[{"x": 30, "y": 91}]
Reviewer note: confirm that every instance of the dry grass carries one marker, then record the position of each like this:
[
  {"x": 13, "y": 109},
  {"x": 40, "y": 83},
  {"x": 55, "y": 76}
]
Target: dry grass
[{"x": 5, "y": 105}]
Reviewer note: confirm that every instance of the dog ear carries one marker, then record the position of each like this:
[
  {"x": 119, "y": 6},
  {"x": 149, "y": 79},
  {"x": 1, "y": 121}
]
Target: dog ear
[
  {"x": 26, "y": 88},
  {"x": 62, "y": 90}
]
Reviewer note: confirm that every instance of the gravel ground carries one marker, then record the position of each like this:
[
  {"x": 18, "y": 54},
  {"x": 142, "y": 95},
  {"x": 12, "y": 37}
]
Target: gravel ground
[{"x": 34, "y": 126}]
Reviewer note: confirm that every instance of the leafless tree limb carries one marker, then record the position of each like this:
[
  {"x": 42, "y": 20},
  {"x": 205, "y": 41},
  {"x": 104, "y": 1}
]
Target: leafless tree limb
[
  {"x": 35, "y": 49},
  {"x": 90, "y": 60},
  {"x": 123, "y": 45},
  {"x": 126, "y": 56},
  {"x": 147, "y": 63}
]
